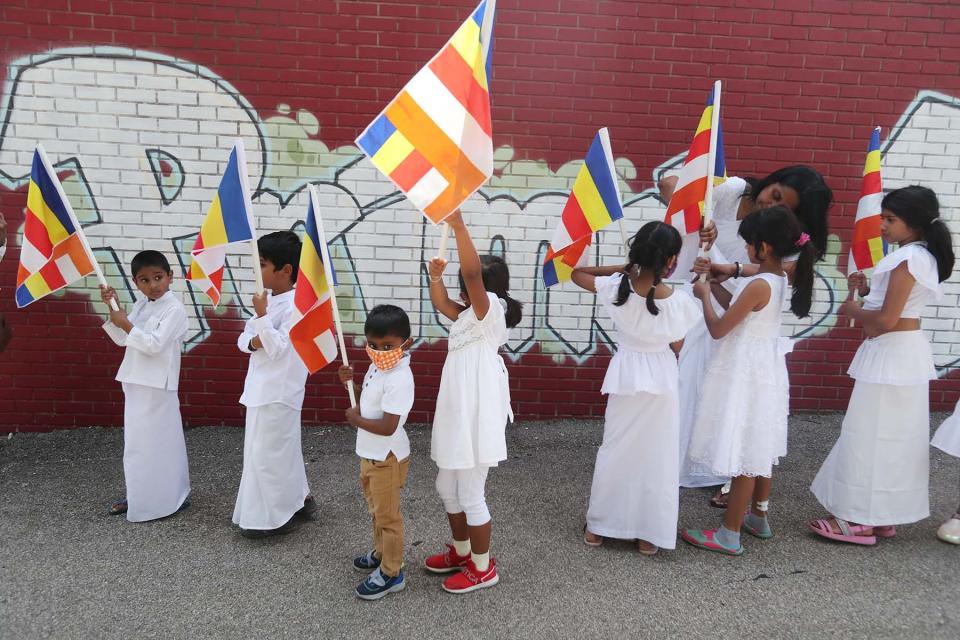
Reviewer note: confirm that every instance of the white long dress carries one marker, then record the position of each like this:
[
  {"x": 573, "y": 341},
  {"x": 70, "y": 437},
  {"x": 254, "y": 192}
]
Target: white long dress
[
  {"x": 155, "y": 467},
  {"x": 741, "y": 423},
  {"x": 635, "y": 489},
  {"x": 947, "y": 437},
  {"x": 878, "y": 471},
  {"x": 473, "y": 403}
]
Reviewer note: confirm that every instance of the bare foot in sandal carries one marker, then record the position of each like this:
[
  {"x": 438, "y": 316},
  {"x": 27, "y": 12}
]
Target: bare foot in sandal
[
  {"x": 591, "y": 539},
  {"x": 647, "y": 548},
  {"x": 719, "y": 499}
]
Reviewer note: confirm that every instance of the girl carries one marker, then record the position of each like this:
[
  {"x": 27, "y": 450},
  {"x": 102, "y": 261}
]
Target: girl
[
  {"x": 740, "y": 429},
  {"x": 798, "y": 187},
  {"x": 877, "y": 474},
  {"x": 473, "y": 407},
  {"x": 635, "y": 492},
  {"x": 947, "y": 439}
]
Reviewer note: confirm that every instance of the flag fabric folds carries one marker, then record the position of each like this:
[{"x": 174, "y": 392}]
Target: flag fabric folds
[
  {"x": 685, "y": 210},
  {"x": 435, "y": 139},
  {"x": 314, "y": 332},
  {"x": 53, "y": 254},
  {"x": 594, "y": 202},
  {"x": 868, "y": 247},
  {"x": 228, "y": 221}
]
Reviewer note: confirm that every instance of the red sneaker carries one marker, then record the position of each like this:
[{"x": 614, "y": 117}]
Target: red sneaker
[
  {"x": 470, "y": 579},
  {"x": 446, "y": 562}
]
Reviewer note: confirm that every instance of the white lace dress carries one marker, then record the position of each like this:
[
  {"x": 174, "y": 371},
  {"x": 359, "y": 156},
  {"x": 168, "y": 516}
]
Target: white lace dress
[
  {"x": 473, "y": 403},
  {"x": 741, "y": 423}
]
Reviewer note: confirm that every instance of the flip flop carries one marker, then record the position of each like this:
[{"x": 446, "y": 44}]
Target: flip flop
[
  {"x": 885, "y": 532},
  {"x": 589, "y": 542},
  {"x": 852, "y": 533},
  {"x": 652, "y": 551},
  {"x": 118, "y": 508}
]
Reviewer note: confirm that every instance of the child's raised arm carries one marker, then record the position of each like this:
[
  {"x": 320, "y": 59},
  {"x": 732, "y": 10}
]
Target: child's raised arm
[
  {"x": 470, "y": 269},
  {"x": 755, "y": 296},
  {"x": 438, "y": 291},
  {"x": 585, "y": 277}
]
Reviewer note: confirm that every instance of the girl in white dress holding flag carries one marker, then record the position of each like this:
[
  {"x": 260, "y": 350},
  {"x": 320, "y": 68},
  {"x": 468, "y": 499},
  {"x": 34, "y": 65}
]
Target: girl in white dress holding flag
[
  {"x": 877, "y": 474},
  {"x": 635, "y": 491}
]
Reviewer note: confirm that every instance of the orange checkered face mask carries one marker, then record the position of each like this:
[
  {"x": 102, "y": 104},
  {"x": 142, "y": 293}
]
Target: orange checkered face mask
[{"x": 386, "y": 359}]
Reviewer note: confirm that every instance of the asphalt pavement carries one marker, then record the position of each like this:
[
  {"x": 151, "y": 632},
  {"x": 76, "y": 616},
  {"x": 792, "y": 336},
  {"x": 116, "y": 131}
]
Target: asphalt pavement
[{"x": 69, "y": 570}]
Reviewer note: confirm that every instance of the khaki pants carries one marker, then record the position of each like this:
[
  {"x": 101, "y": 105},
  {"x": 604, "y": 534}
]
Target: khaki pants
[{"x": 381, "y": 482}]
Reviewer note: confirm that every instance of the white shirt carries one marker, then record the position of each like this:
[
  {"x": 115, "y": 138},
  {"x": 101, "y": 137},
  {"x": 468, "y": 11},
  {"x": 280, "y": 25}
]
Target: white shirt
[
  {"x": 152, "y": 356},
  {"x": 275, "y": 373},
  {"x": 383, "y": 392},
  {"x": 922, "y": 266}
]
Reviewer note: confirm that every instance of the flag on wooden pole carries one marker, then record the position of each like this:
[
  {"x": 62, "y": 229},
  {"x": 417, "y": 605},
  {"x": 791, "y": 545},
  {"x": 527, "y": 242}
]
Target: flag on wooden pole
[{"x": 868, "y": 246}]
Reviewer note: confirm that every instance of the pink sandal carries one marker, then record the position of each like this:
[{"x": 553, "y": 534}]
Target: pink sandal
[{"x": 851, "y": 533}]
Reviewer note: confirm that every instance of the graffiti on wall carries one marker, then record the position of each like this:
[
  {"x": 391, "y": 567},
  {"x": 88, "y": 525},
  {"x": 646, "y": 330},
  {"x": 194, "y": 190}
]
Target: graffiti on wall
[{"x": 140, "y": 140}]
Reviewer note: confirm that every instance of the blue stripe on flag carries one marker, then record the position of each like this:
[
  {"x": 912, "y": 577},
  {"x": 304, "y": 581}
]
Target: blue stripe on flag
[
  {"x": 23, "y": 296},
  {"x": 478, "y": 18},
  {"x": 605, "y": 182},
  {"x": 48, "y": 190},
  {"x": 874, "y": 141},
  {"x": 720, "y": 162},
  {"x": 311, "y": 233},
  {"x": 376, "y": 135},
  {"x": 232, "y": 208},
  {"x": 550, "y": 274}
]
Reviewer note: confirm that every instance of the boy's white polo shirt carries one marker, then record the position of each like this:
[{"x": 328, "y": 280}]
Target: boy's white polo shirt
[{"x": 383, "y": 392}]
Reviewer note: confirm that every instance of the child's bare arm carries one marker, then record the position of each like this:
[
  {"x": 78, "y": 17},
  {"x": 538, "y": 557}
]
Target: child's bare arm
[
  {"x": 753, "y": 298},
  {"x": 585, "y": 277},
  {"x": 438, "y": 291},
  {"x": 470, "y": 268},
  {"x": 385, "y": 426}
]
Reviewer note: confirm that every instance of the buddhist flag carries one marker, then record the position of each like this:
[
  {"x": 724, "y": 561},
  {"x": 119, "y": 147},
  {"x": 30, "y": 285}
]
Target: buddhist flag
[
  {"x": 868, "y": 247},
  {"x": 54, "y": 252},
  {"x": 229, "y": 220},
  {"x": 685, "y": 210},
  {"x": 594, "y": 202},
  {"x": 315, "y": 329},
  {"x": 435, "y": 139}
]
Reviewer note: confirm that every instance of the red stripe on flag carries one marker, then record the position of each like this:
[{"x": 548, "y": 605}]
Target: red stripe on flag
[
  {"x": 409, "y": 172},
  {"x": 699, "y": 146},
  {"x": 574, "y": 220},
  {"x": 871, "y": 184},
  {"x": 866, "y": 228},
  {"x": 50, "y": 273},
  {"x": 457, "y": 76},
  {"x": 306, "y": 330},
  {"x": 37, "y": 234}
]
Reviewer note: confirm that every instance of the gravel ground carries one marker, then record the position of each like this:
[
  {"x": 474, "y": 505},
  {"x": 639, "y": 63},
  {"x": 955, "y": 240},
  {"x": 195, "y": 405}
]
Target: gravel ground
[{"x": 68, "y": 570}]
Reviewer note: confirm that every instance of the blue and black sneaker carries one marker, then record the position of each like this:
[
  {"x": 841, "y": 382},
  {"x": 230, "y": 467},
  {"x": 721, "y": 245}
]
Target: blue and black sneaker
[
  {"x": 367, "y": 562},
  {"x": 378, "y": 585}
]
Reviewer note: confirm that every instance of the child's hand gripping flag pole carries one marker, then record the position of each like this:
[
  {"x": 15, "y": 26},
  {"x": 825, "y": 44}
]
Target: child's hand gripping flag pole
[
  {"x": 55, "y": 251},
  {"x": 317, "y": 330},
  {"x": 593, "y": 204},
  {"x": 434, "y": 140},
  {"x": 229, "y": 220},
  {"x": 868, "y": 246}
]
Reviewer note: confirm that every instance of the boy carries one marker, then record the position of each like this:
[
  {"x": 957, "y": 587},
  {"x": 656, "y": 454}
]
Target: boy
[
  {"x": 273, "y": 485},
  {"x": 382, "y": 444},
  {"x": 154, "y": 451}
]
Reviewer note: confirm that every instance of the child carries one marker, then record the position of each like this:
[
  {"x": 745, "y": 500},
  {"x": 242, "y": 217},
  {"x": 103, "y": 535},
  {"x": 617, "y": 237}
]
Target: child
[
  {"x": 635, "y": 493},
  {"x": 804, "y": 191},
  {"x": 947, "y": 439},
  {"x": 154, "y": 452},
  {"x": 382, "y": 445},
  {"x": 473, "y": 407},
  {"x": 741, "y": 426},
  {"x": 877, "y": 473},
  {"x": 273, "y": 486}
]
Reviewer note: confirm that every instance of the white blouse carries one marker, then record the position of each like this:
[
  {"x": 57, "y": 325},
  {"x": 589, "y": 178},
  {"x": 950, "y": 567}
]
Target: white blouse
[{"x": 922, "y": 266}]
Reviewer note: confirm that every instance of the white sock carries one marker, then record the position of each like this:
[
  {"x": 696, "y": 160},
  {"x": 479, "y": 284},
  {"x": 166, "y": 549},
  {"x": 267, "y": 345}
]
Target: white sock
[
  {"x": 462, "y": 547},
  {"x": 481, "y": 560}
]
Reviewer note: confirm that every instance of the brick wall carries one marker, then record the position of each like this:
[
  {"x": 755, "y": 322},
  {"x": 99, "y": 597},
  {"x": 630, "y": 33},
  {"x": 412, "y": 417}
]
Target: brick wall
[{"x": 138, "y": 102}]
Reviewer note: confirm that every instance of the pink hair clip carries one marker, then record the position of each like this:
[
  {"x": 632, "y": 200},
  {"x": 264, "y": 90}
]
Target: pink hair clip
[{"x": 804, "y": 239}]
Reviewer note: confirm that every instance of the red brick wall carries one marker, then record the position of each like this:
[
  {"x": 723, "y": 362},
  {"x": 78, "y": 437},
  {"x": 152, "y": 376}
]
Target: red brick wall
[{"x": 804, "y": 81}]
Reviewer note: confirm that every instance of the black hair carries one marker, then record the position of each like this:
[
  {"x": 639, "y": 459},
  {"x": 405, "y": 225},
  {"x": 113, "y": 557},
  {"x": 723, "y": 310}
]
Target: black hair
[
  {"x": 651, "y": 248},
  {"x": 149, "y": 258},
  {"x": 281, "y": 248},
  {"x": 387, "y": 320},
  {"x": 919, "y": 209},
  {"x": 496, "y": 280},
  {"x": 779, "y": 227},
  {"x": 815, "y": 198}
]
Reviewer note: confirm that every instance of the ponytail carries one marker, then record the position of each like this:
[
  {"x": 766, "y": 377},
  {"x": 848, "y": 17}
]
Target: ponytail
[
  {"x": 802, "y": 298},
  {"x": 496, "y": 280},
  {"x": 623, "y": 291},
  {"x": 919, "y": 209},
  {"x": 514, "y": 312}
]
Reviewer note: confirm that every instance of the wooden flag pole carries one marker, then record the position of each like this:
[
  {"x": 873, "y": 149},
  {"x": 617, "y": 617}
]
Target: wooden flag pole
[
  {"x": 444, "y": 235},
  {"x": 76, "y": 223},
  {"x": 328, "y": 274},
  {"x": 711, "y": 163},
  {"x": 254, "y": 251}
]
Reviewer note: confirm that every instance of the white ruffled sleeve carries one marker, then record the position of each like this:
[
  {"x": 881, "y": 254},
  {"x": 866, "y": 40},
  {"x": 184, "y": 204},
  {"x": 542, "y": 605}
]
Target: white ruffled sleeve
[
  {"x": 685, "y": 314},
  {"x": 920, "y": 262},
  {"x": 726, "y": 198}
]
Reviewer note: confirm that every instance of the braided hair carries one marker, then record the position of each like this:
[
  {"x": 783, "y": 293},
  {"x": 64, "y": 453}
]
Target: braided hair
[{"x": 651, "y": 248}]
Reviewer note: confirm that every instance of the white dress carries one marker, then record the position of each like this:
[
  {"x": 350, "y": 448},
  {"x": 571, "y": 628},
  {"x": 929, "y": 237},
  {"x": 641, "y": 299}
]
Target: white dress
[
  {"x": 878, "y": 471},
  {"x": 155, "y": 466},
  {"x": 473, "y": 403},
  {"x": 741, "y": 423},
  {"x": 635, "y": 489},
  {"x": 947, "y": 437}
]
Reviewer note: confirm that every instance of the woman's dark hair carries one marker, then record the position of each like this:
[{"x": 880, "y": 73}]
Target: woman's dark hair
[
  {"x": 779, "y": 228},
  {"x": 496, "y": 280},
  {"x": 651, "y": 248},
  {"x": 919, "y": 209},
  {"x": 281, "y": 248},
  {"x": 815, "y": 199},
  {"x": 387, "y": 320}
]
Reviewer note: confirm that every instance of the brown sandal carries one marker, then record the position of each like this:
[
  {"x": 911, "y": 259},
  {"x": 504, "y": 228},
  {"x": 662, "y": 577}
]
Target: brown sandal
[
  {"x": 647, "y": 548},
  {"x": 591, "y": 539},
  {"x": 118, "y": 508}
]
